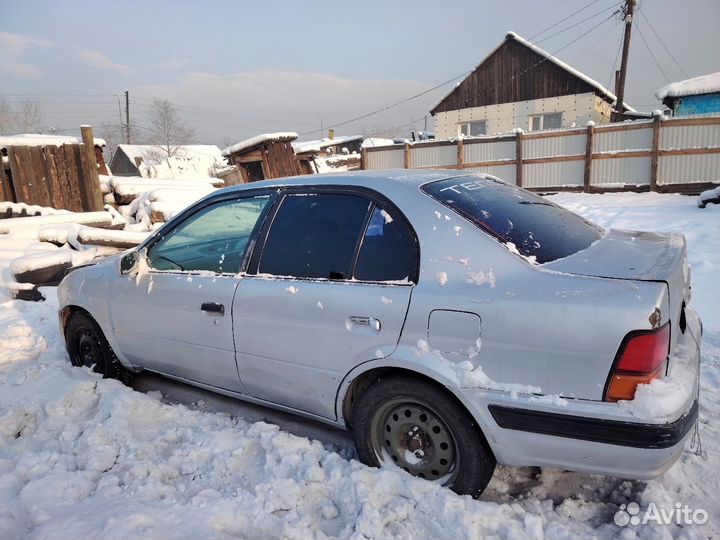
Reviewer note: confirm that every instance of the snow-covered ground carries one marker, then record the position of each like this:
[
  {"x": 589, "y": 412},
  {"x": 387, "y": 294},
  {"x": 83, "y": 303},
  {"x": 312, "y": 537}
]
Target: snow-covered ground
[{"x": 82, "y": 457}]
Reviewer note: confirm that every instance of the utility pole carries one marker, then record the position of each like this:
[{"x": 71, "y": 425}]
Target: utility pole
[
  {"x": 127, "y": 117},
  {"x": 629, "y": 12}
]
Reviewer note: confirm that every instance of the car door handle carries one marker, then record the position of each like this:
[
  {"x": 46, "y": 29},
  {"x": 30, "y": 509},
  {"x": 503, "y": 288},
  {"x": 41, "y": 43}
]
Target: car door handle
[
  {"x": 213, "y": 307},
  {"x": 365, "y": 322}
]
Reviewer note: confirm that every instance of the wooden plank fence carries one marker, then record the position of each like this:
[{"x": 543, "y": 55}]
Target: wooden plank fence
[
  {"x": 63, "y": 176},
  {"x": 666, "y": 155}
]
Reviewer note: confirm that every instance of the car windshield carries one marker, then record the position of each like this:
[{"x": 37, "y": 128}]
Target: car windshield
[{"x": 535, "y": 226}]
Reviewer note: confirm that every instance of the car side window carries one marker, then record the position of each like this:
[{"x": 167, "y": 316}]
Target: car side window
[
  {"x": 387, "y": 252},
  {"x": 314, "y": 236},
  {"x": 214, "y": 239}
]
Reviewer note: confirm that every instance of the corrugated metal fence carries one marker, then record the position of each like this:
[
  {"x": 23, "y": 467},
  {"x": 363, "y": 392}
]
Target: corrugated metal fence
[{"x": 678, "y": 154}]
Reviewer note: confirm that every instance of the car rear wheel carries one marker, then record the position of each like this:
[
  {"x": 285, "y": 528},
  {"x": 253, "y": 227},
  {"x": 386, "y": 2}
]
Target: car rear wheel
[
  {"x": 424, "y": 431},
  {"x": 87, "y": 346}
]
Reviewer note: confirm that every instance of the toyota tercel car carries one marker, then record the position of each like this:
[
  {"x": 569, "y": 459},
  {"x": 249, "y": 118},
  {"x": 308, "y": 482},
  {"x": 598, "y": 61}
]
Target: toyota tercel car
[{"x": 451, "y": 321}]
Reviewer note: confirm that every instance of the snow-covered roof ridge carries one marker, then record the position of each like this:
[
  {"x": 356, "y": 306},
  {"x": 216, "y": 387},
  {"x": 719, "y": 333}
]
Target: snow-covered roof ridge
[
  {"x": 39, "y": 139},
  {"x": 186, "y": 150},
  {"x": 318, "y": 144},
  {"x": 704, "y": 84},
  {"x": 579, "y": 74},
  {"x": 280, "y": 136}
]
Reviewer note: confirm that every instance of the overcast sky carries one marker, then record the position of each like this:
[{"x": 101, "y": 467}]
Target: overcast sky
[{"x": 236, "y": 69}]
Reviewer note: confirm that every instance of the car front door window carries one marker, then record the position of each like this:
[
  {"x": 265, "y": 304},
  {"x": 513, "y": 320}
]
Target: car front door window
[{"x": 215, "y": 239}]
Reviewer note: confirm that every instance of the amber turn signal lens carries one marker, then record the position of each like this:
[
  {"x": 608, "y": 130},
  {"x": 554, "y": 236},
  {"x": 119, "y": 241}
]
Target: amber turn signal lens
[{"x": 623, "y": 386}]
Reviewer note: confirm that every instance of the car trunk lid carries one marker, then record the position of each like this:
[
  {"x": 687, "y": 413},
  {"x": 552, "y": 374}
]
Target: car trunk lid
[{"x": 640, "y": 256}]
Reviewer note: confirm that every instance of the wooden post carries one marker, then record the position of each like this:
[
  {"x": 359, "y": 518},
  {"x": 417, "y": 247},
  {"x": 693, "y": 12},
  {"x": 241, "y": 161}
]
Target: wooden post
[
  {"x": 90, "y": 191},
  {"x": 518, "y": 158},
  {"x": 363, "y": 158},
  {"x": 587, "y": 174},
  {"x": 460, "y": 153},
  {"x": 406, "y": 157},
  {"x": 655, "y": 153},
  {"x": 6, "y": 193}
]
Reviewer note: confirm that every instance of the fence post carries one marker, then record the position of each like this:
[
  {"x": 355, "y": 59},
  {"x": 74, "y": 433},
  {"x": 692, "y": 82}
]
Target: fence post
[
  {"x": 406, "y": 156},
  {"x": 518, "y": 158},
  {"x": 460, "y": 153},
  {"x": 655, "y": 153},
  {"x": 587, "y": 174},
  {"x": 92, "y": 199},
  {"x": 363, "y": 158}
]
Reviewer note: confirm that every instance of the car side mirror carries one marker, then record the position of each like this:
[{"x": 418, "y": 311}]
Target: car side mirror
[{"x": 129, "y": 262}]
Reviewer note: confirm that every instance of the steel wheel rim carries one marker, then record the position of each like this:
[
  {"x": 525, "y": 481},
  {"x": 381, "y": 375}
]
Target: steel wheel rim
[
  {"x": 89, "y": 351},
  {"x": 412, "y": 435}
]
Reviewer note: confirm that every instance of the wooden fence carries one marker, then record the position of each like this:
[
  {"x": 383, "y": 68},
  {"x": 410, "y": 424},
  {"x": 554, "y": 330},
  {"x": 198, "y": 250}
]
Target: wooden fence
[
  {"x": 63, "y": 176},
  {"x": 671, "y": 155}
]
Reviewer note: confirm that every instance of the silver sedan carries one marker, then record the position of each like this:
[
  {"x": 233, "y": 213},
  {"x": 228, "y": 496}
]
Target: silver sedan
[{"x": 450, "y": 320}]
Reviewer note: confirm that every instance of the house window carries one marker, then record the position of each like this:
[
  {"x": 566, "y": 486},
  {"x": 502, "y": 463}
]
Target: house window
[
  {"x": 472, "y": 129},
  {"x": 544, "y": 121}
]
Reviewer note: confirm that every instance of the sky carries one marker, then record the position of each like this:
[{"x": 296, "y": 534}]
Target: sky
[{"x": 235, "y": 69}]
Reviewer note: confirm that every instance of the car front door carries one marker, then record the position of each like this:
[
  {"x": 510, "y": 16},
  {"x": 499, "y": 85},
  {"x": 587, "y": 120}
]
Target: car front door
[
  {"x": 173, "y": 314},
  {"x": 328, "y": 289}
]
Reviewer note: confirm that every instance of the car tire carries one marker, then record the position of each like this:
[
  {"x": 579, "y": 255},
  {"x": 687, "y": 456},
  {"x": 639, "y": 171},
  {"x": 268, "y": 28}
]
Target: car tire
[
  {"x": 423, "y": 430},
  {"x": 87, "y": 346}
]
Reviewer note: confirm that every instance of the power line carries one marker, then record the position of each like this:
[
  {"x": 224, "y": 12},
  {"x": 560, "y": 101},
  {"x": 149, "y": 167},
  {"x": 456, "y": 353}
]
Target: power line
[
  {"x": 563, "y": 20},
  {"x": 652, "y": 56},
  {"x": 614, "y": 6},
  {"x": 642, "y": 14}
]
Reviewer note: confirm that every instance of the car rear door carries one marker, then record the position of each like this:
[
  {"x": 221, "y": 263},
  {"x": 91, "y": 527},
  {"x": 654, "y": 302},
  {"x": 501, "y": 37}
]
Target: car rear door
[
  {"x": 175, "y": 316},
  {"x": 328, "y": 289}
]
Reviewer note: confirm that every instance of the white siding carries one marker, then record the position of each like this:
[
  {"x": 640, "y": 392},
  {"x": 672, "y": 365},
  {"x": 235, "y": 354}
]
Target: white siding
[
  {"x": 620, "y": 171},
  {"x": 554, "y": 146},
  {"x": 689, "y": 169},
  {"x": 552, "y": 175},
  {"x": 433, "y": 156},
  {"x": 703, "y": 136},
  {"x": 577, "y": 111},
  {"x": 619, "y": 141},
  {"x": 489, "y": 151},
  {"x": 386, "y": 159}
]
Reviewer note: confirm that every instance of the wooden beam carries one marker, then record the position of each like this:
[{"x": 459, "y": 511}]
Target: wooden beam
[
  {"x": 689, "y": 151},
  {"x": 406, "y": 156},
  {"x": 519, "y": 158},
  {"x": 6, "y": 193},
  {"x": 90, "y": 183},
  {"x": 72, "y": 171},
  {"x": 495, "y": 163},
  {"x": 554, "y": 159},
  {"x": 549, "y": 134},
  {"x": 620, "y": 155},
  {"x": 703, "y": 121},
  {"x": 655, "y": 156},
  {"x": 460, "y": 154},
  {"x": 624, "y": 126},
  {"x": 587, "y": 173},
  {"x": 363, "y": 158}
]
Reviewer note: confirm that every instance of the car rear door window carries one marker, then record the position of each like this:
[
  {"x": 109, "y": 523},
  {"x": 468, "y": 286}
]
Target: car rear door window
[
  {"x": 314, "y": 236},
  {"x": 537, "y": 227},
  {"x": 214, "y": 239},
  {"x": 387, "y": 252}
]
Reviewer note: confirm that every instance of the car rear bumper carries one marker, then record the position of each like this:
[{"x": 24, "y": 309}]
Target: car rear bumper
[{"x": 591, "y": 436}]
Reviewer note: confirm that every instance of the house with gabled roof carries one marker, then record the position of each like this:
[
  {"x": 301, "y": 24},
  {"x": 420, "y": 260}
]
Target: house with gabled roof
[{"x": 519, "y": 85}]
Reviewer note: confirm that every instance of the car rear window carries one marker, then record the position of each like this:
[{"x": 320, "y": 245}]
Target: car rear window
[{"x": 536, "y": 227}]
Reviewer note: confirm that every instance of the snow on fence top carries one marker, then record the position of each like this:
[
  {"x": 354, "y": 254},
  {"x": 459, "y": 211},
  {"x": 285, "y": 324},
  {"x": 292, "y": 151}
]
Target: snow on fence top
[
  {"x": 35, "y": 139},
  {"x": 280, "y": 136},
  {"x": 704, "y": 84}
]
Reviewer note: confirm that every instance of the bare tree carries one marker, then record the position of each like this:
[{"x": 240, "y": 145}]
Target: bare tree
[
  {"x": 29, "y": 117},
  {"x": 167, "y": 130}
]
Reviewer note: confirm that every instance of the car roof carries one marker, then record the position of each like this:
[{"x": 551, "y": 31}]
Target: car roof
[{"x": 376, "y": 179}]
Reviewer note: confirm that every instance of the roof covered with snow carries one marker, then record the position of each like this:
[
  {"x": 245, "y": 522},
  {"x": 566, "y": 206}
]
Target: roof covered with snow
[
  {"x": 604, "y": 92},
  {"x": 151, "y": 152},
  {"x": 38, "y": 139},
  {"x": 188, "y": 161},
  {"x": 704, "y": 84},
  {"x": 247, "y": 144},
  {"x": 318, "y": 144}
]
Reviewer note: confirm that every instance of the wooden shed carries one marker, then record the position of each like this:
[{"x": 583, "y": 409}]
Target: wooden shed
[{"x": 265, "y": 156}]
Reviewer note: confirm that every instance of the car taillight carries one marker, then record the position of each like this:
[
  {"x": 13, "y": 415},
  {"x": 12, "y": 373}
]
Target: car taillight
[{"x": 641, "y": 359}]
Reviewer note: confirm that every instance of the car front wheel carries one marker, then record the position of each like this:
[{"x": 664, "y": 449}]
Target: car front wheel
[
  {"x": 423, "y": 430},
  {"x": 87, "y": 346}
]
